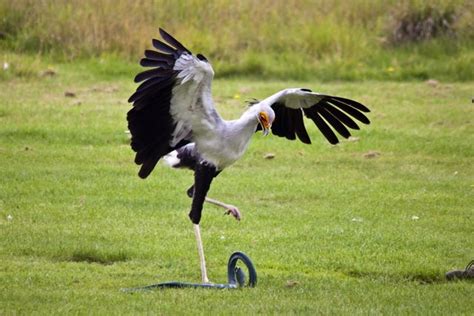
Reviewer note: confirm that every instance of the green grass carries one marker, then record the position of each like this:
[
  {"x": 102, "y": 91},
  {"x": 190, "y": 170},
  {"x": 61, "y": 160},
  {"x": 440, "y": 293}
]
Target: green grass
[
  {"x": 284, "y": 39},
  {"x": 330, "y": 232}
]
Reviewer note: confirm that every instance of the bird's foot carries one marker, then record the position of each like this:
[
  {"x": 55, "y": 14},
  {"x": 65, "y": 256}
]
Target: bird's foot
[{"x": 234, "y": 211}]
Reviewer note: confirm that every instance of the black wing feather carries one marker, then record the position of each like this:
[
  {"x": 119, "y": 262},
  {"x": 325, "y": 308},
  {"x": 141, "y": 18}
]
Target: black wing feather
[
  {"x": 152, "y": 73},
  {"x": 341, "y": 116},
  {"x": 334, "y": 122},
  {"x": 151, "y": 54},
  {"x": 146, "y": 62},
  {"x": 327, "y": 114},
  {"x": 149, "y": 97},
  {"x": 353, "y": 103},
  {"x": 278, "y": 124},
  {"x": 164, "y": 47},
  {"x": 299, "y": 127},
  {"x": 312, "y": 113},
  {"x": 173, "y": 42},
  {"x": 349, "y": 110},
  {"x": 149, "y": 121},
  {"x": 289, "y": 123},
  {"x": 149, "y": 84}
]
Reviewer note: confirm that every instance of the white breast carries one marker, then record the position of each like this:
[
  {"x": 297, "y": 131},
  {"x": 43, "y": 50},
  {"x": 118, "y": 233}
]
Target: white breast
[{"x": 228, "y": 145}]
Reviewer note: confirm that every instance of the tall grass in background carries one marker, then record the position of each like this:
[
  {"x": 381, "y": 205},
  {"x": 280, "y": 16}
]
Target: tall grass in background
[{"x": 297, "y": 39}]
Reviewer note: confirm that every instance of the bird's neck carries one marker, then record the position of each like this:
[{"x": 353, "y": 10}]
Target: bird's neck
[
  {"x": 240, "y": 131},
  {"x": 248, "y": 121}
]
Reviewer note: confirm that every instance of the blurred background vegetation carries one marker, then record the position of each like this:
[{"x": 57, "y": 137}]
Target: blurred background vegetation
[{"x": 285, "y": 39}]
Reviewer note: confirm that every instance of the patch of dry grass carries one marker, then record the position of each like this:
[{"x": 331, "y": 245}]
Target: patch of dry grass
[{"x": 286, "y": 39}]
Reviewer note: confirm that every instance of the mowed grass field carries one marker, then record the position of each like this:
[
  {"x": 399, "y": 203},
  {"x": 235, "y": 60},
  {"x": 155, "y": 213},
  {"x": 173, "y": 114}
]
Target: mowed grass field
[{"x": 366, "y": 227}]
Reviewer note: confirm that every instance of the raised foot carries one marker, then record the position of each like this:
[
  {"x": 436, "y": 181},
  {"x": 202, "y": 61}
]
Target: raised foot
[{"x": 234, "y": 211}]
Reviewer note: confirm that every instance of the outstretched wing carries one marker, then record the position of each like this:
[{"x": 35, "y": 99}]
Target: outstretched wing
[
  {"x": 174, "y": 98},
  {"x": 330, "y": 114}
]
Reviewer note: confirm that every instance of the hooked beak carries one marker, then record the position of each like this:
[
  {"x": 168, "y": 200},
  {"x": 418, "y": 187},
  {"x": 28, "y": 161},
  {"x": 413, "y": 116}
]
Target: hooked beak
[
  {"x": 264, "y": 123},
  {"x": 265, "y": 131}
]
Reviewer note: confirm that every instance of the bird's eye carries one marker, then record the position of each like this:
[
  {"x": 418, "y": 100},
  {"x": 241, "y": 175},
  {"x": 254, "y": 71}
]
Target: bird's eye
[
  {"x": 264, "y": 118},
  {"x": 306, "y": 90}
]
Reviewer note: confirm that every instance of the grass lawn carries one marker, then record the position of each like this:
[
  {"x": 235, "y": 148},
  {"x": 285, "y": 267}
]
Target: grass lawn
[{"x": 329, "y": 228}]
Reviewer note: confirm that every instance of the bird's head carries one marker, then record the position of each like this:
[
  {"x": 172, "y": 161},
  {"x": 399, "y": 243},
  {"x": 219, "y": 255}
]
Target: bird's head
[{"x": 265, "y": 117}]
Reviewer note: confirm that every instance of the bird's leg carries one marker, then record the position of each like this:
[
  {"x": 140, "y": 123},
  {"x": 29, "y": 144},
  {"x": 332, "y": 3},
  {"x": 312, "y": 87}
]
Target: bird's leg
[
  {"x": 230, "y": 209},
  {"x": 203, "y": 176},
  {"x": 202, "y": 260}
]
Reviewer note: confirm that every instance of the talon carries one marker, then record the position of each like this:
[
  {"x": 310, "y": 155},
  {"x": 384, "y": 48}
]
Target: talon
[{"x": 234, "y": 211}]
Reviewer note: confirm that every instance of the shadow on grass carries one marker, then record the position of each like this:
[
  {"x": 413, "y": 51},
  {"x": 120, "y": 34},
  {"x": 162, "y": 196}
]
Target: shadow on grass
[
  {"x": 429, "y": 277},
  {"x": 93, "y": 256}
]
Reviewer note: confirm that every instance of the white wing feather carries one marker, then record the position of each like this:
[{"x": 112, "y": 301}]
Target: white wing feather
[
  {"x": 192, "y": 107},
  {"x": 294, "y": 98}
]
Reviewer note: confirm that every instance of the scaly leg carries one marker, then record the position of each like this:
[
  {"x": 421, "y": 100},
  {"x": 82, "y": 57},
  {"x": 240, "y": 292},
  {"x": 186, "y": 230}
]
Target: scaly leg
[
  {"x": 230, "y": 209},
  {"x": 202, "y": 260}
]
